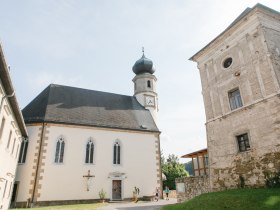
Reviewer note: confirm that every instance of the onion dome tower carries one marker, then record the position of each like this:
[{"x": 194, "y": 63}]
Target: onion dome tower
[{"x": 145, "y": 84}]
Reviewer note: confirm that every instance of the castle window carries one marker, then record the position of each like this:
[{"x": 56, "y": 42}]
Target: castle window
[
  {"x": 89, "y": 152},
  {"x": 235, "y": 99},
  {"x": 117, "y": 153},
  {"x": 149, "y": 84},
  {"x": 243, "y": 142},
  {"x": 59, "y": 152},
  {"x": 23, "y": 151},
  {"x": 227, "y": 62}
]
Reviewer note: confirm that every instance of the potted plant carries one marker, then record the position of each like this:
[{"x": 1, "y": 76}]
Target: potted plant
[
  {"x": 102, "y": 195},
  {"x": 135, "y": 192}
]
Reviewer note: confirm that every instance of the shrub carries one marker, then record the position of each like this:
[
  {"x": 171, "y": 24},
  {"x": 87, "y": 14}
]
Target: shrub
[
  {"x": 272, "y": 180},
  {"x": 102, "y": 194}
]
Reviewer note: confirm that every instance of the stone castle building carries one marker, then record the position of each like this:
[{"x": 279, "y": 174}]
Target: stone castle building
[
  {"x": 84, "y": 141},
  {"x": 240, "y": 77}
]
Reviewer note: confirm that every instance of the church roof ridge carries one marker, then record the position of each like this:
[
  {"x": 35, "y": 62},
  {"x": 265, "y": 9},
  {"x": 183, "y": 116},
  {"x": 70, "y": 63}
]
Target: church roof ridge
[
  {"x": 87, "y": 89},
  {"x": 71, "y": 105}
]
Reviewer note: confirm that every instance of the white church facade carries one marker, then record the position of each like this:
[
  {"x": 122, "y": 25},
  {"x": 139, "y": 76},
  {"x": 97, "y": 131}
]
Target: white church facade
[
  {"x": 12, "y": 132},
  {"x": 83, "y": 141}
]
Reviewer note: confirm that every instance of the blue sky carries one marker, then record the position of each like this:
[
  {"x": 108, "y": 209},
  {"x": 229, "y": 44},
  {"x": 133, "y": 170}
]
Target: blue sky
[{"x": 93, "y": 44}]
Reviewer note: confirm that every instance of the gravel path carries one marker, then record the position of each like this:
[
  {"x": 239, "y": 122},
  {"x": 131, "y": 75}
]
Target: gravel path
[{"x": 153, "y": 205}]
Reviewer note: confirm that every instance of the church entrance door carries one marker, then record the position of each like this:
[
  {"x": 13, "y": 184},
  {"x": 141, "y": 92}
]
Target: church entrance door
[{"x": 117, "y": 190}]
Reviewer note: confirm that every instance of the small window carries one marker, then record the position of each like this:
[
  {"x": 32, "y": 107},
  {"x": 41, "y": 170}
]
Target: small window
[
  {"x": 4, "y": 192},
  {"x": 117, "y": 153},
  {"x": 23, "y": 151},
  {"x": 13, "y": 148},
  {"x": 235, "y": 99},
  {"x": 227, "y": 63},
  {"x": 243, "y": 142},
  {"x": 149, "y": 84},
  {"x": 89, "y": 152},
  {"x": 2, "y": 127},
  {"x": 9, "y": 140},
  {"x": 59, "y": 152}
]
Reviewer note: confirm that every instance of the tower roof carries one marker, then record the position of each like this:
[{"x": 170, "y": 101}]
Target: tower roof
[
  {"x": 143, "y": 65},
  {"x": 71, "y": 105}
]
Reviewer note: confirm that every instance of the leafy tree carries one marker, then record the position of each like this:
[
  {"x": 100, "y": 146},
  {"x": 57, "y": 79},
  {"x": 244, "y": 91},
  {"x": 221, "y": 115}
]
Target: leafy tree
[{"x": 172, "y": 170}]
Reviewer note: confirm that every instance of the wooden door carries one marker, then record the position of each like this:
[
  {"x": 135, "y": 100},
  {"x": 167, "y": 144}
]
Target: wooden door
[{"x": 117, "y": 190}]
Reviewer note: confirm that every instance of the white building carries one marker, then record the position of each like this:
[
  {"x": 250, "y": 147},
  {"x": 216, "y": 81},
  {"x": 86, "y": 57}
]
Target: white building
[
  {"x": 12, "y": 130},
  {"x": 82, "y": 141}
]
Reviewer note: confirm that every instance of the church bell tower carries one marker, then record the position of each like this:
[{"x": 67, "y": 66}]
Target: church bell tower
[{"x": 145, "y": 85}]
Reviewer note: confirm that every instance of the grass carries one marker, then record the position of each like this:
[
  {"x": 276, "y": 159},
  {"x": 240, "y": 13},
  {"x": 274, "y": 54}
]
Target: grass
[
  {"x": 72, "y": 207},
  {"x": 255, "y": 199}
]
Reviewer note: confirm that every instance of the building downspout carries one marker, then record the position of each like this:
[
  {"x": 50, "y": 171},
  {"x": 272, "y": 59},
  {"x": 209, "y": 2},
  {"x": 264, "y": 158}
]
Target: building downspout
[{"x": 37, "y": 168}]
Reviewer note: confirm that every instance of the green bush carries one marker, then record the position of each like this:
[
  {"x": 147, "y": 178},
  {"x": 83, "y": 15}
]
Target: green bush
[{"x": 272, "y": 180}]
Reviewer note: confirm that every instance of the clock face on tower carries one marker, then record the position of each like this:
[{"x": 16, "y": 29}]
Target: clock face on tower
[{"x": 150, "y": 101}]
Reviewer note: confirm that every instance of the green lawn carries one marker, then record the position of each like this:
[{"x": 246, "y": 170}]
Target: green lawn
[
  {"x": 255, "y": 199},
  {"x": 72, "y": 207}
]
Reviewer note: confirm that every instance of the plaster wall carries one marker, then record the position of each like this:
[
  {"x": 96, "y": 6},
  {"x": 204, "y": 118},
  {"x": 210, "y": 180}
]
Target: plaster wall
[
  {"x": 10, "y": 141},
  {"x": 140, "y": 164}
]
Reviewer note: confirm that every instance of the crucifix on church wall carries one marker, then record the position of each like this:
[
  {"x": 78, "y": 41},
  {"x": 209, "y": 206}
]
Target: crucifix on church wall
[{"x": 88, "y": 179}]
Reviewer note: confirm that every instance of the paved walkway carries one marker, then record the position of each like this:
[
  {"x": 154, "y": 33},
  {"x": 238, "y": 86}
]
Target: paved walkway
[{"x": 152, "y": 205}]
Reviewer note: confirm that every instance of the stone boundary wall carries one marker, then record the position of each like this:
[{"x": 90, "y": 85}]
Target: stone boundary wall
[{"x": 190, "y": 187}]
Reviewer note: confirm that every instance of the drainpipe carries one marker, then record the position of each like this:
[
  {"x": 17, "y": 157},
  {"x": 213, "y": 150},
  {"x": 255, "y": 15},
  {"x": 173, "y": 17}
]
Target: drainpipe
[
  {"x": 4, "y": 97},
  {"x": 38, "y": 162}
]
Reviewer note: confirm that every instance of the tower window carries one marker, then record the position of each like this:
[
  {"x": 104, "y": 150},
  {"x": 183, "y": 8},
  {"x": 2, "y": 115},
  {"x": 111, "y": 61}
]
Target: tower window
[
  {"x": 59, "y": 152},
  {"x": 235, "y": 99},
  {"x": 227, "y": 63},
  {"x": 243, "y": 142},
  {"x": 149, "y": 84}
]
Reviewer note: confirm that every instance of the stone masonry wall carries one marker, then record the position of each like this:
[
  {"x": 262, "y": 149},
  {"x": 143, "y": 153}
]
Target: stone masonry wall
[
  {"x": 227, "y": 164},
  {"x": 254, "y": 46},
  {"x": 190, "y": 187}
]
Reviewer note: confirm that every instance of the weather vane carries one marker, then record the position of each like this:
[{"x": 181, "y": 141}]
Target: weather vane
[{"x": 143, "y": 50}]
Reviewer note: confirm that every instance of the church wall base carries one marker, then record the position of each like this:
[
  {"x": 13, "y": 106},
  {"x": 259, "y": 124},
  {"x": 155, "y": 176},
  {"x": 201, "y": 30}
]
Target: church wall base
[{"x": 54, "y": 203}]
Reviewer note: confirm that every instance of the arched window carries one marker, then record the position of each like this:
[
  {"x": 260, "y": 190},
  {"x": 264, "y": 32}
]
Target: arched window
[
  {"x": 89, "y": 152},
  {"x": 149, "y": 84},
  {"x": 117, "y": 153},
  {"x": 23, "y": 151},
  {"x": 59, "y": 152}
]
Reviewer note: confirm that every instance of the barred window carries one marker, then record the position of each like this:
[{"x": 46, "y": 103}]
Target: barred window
[
  {"x": 89, "y": 152},
  {"x": 59, "y": 152},
  {"x": 117, "y": 152},
  {"x": 243, "y": 142},
  {"x": 23, "y": 151}
]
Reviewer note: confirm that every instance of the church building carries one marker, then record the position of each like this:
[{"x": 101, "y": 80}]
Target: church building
[
  {"x": 82, "y": 142},
  {"x": 240, "y": 76}
]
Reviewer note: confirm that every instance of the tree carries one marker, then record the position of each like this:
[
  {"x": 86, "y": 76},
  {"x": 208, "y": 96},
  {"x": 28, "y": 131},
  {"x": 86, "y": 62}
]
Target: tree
[{"x": 172, "y": 170}]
